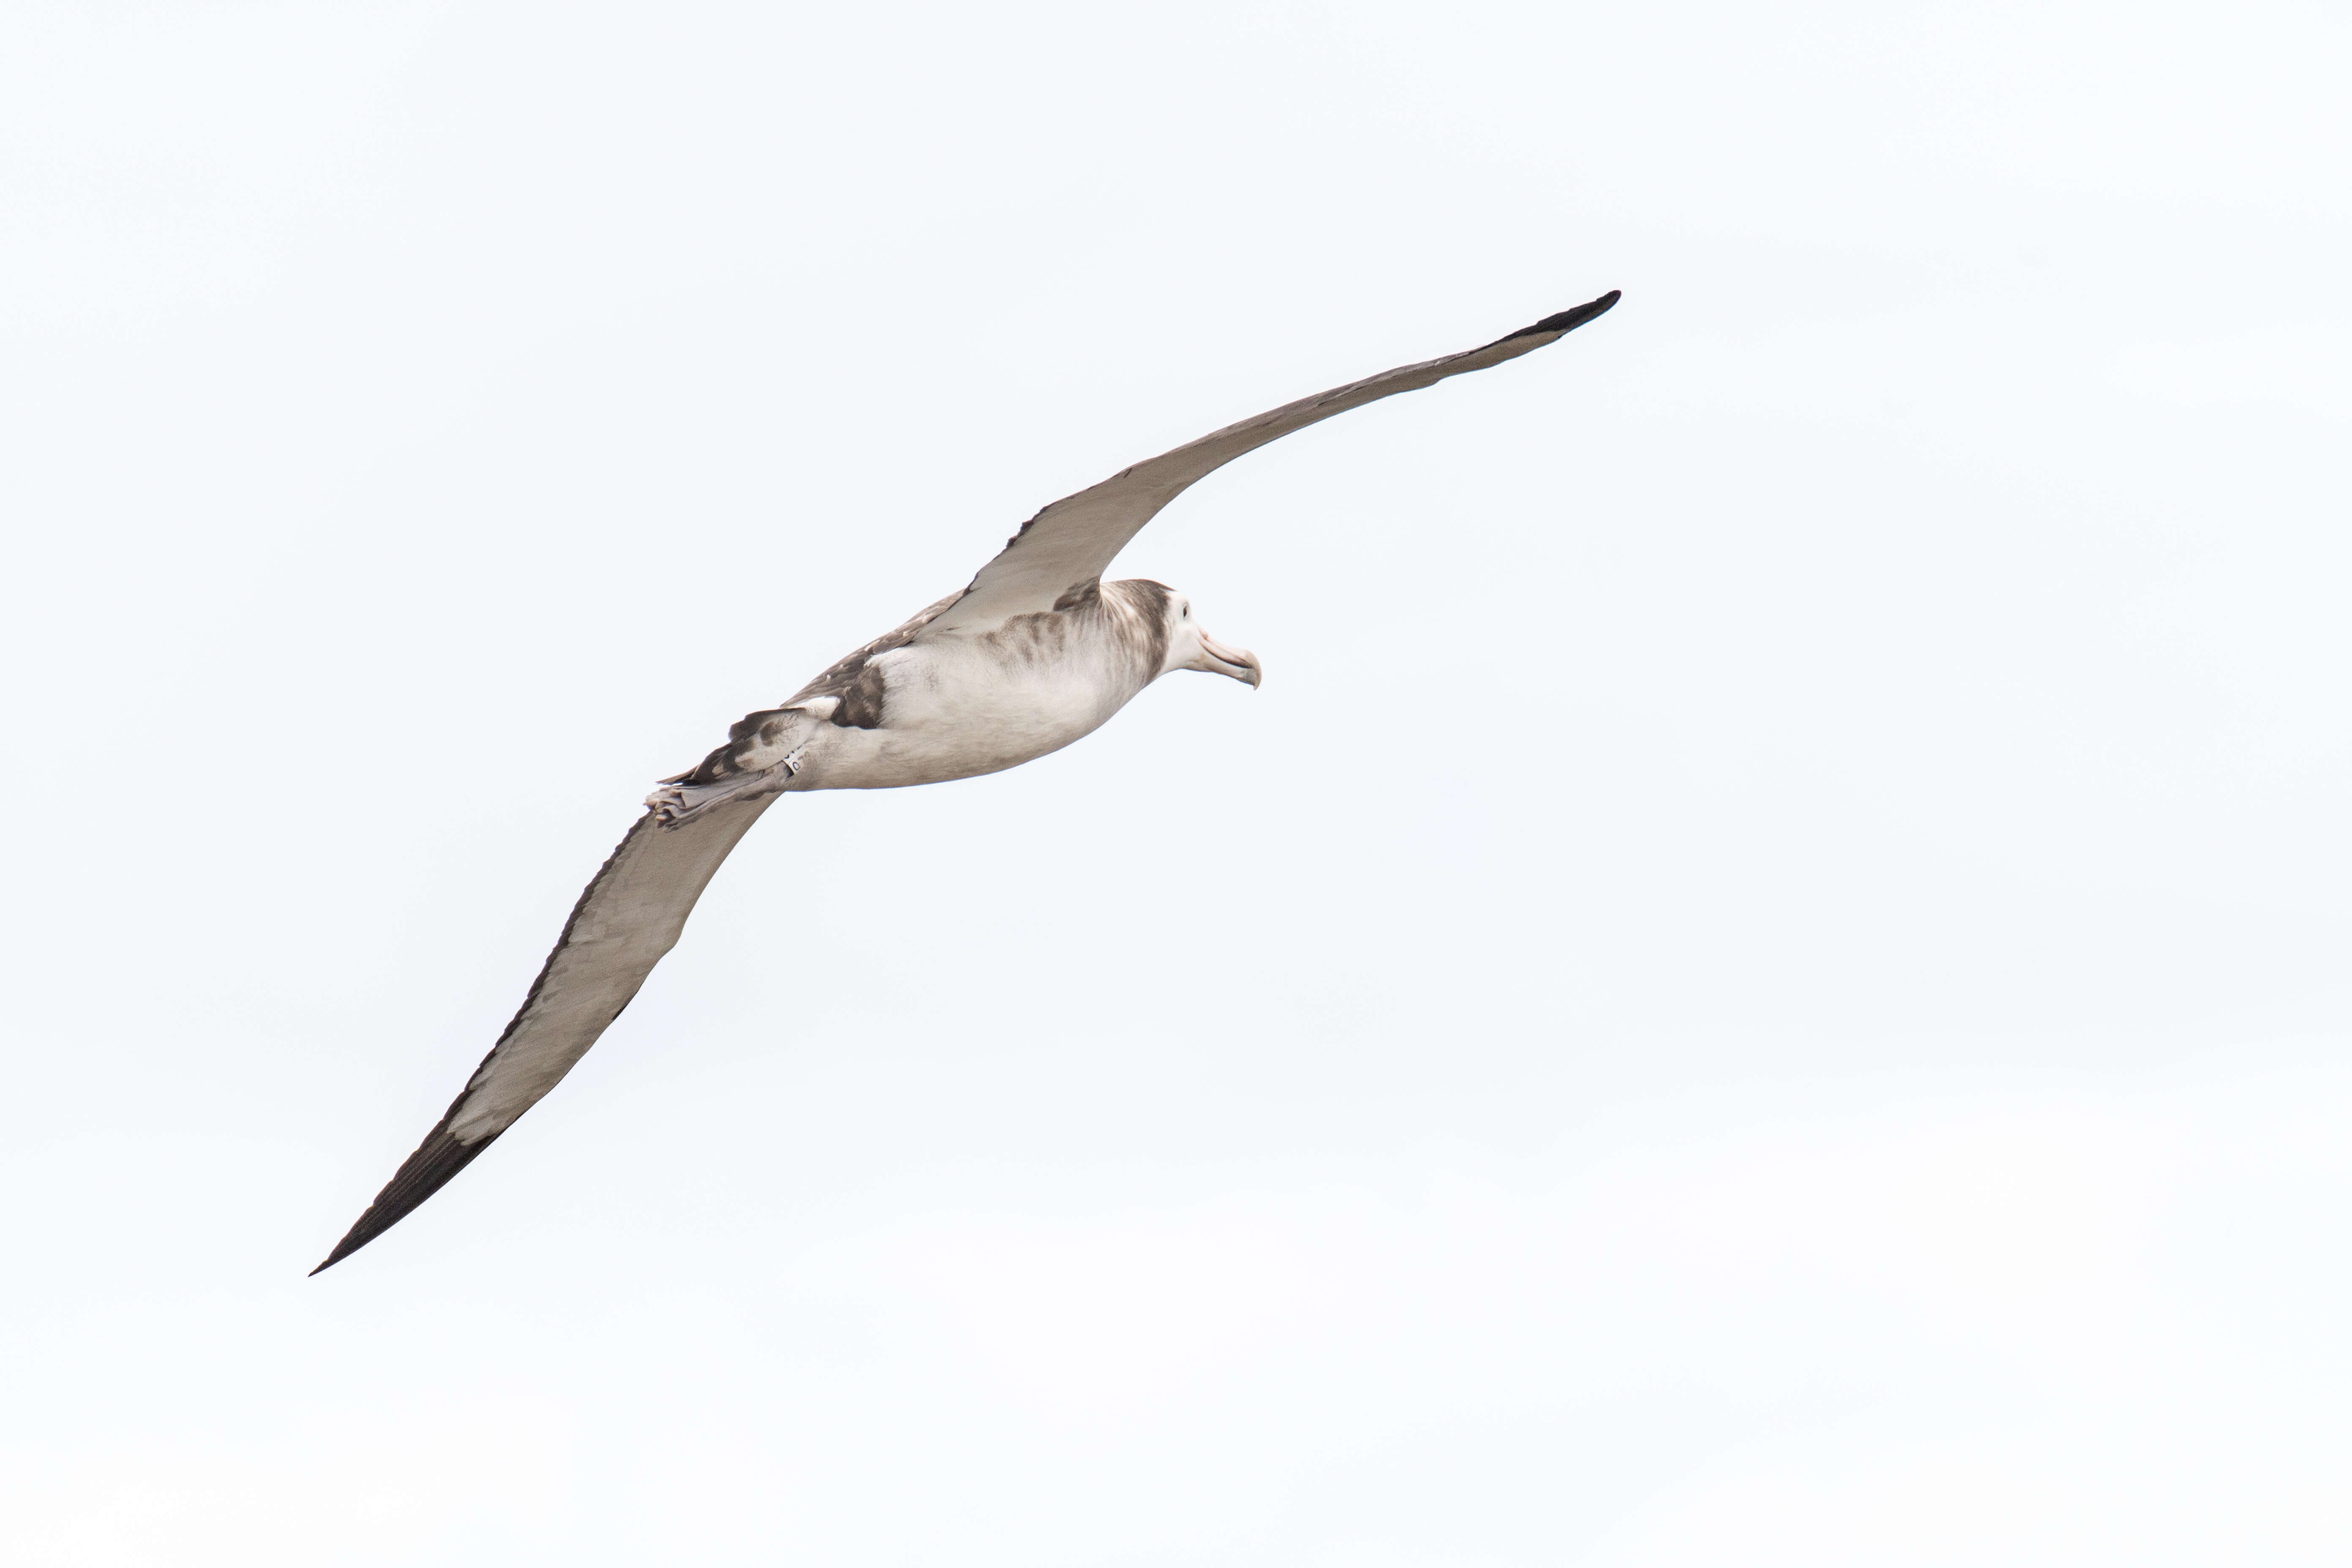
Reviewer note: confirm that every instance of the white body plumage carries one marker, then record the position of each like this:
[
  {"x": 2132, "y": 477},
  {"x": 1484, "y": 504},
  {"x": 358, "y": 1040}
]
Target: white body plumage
[{"x": 963, "y": 703}]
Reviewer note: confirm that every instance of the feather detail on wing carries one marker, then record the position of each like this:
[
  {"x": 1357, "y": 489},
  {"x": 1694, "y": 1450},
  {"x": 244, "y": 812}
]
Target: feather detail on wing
[
  {"x": 629, "y": 916},
  {"x": 1075, "y": 539}
]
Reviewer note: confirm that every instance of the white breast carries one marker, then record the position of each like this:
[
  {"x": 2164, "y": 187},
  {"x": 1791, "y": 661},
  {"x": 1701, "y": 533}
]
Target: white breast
[{"x": 969, "y": 705}]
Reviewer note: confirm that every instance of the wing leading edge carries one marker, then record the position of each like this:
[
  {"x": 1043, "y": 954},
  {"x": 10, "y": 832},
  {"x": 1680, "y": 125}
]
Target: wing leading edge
[{"x": 1075, "y": 538}]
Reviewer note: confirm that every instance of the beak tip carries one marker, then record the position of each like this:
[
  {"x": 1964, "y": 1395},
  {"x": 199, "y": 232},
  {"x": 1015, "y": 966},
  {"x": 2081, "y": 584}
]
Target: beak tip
[{"x": 1237, "y": 663}]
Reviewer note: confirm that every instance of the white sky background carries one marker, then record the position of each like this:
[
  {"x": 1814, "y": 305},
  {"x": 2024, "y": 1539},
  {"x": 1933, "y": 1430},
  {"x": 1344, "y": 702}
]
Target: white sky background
[{"x": 1764, "y": 981}]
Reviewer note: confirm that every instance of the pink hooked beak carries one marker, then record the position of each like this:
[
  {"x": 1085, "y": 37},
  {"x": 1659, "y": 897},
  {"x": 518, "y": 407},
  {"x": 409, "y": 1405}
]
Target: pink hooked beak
[{"x": 1216, "y": 658}]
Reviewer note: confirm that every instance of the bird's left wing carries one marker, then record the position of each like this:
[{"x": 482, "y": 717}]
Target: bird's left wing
[
  {"x": 629, "y": 916},
  {"x": 1075, "y": 539}
]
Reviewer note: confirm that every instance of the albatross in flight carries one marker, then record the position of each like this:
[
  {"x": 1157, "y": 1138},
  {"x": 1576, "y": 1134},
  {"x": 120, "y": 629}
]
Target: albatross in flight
[{"x": 1038, "y": 651}]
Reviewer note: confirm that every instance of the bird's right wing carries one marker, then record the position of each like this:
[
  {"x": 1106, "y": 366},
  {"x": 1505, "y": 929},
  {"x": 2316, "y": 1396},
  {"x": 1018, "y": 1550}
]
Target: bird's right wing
[
  {"x": 629, "y": 916},
  {"x": 1073, "y": 540}
]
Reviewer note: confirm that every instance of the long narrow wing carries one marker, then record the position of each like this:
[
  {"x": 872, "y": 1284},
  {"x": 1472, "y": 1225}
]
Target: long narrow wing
[
  {"x": 1074, "y": 539},
  {"x": 629, "y": 916}
]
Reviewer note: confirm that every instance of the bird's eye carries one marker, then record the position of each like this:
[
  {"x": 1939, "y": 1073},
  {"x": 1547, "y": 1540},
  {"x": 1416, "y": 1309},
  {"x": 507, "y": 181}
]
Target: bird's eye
[{"x": 1188, "y": 612}]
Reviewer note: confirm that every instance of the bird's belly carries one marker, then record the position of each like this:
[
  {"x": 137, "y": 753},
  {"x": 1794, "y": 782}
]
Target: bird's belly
[{"x": 950, "y": 730}]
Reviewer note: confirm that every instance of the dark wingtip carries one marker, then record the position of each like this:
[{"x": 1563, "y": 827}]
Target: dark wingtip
[
  {"x": 359, "y": 1236},
  {"x": 1568, "y": 320},
  {"x": 420, "y": 1175},
  {"x": 344, "y": 1249}
]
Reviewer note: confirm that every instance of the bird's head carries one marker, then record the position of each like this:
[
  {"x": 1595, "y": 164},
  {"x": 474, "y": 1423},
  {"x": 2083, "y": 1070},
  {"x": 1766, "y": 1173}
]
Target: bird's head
[{"x": 1190, "y": 646}]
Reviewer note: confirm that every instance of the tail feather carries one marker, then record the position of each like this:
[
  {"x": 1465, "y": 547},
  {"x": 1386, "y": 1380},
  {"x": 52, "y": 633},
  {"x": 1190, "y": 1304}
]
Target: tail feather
[{"x": 680, "y": 801}]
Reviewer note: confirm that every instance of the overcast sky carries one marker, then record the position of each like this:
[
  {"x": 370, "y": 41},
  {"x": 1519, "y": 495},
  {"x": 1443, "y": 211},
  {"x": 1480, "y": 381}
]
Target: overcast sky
[{"x": 1764, "y": 982}]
